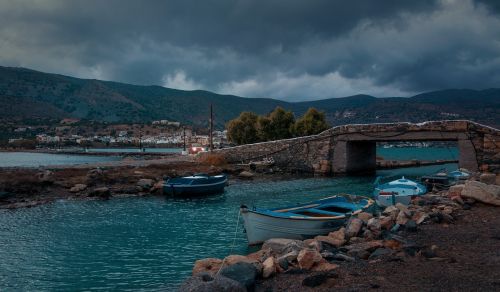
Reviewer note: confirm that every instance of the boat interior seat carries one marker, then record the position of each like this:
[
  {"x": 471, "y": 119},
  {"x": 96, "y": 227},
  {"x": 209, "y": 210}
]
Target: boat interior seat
[{"x": 323, "y": 212}]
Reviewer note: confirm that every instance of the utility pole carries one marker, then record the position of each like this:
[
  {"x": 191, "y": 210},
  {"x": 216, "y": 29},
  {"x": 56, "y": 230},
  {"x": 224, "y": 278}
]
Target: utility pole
[
  {"x": 184, "y": 136},
  {"x": 140, "y": 141},
  {"x": 211, "y": 128}
]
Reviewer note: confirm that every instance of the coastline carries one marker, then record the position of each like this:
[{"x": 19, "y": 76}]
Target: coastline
[
  {"x": 29, "y": 186},
  {"x": 445, "y": 240}
]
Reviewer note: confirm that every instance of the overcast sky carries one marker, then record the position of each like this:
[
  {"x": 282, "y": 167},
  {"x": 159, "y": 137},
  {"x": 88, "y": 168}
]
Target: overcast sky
[{"x": 289, "y": 49}]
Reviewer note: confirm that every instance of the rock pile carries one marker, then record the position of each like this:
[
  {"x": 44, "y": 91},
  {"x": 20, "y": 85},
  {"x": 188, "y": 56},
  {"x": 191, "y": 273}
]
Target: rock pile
[{"x": 364, "y": 238}]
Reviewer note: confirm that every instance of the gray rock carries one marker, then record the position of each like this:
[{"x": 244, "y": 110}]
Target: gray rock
[
  {"x": 78, "y": 188},
  {"x": 488, "y": 178},
  {"x": 411, "y": 226},
  {"x": 282, "y": 246},
  {"x": 100, "y": 192},
  {"x": 380, "y": 252},
  {"x": 485, "y": 193},
  {"x": 289, "y": 257},
  {"x": 46, "y": 177},
  {"x": 374, "y": 224},
  {"x": 205, "y": 282},
  {"x": 342, "y": 257},
  {"x": 353, "y": 227},
  {"x": 94, "y": 173},
  {"x": 244, "y": 273},
  {"x": 246, "y": 174},
  {"x": 145, "y": 183}
]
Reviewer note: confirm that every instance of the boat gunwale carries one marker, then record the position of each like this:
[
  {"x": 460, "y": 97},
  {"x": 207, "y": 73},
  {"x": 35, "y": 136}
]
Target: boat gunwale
[
  {"x": 369, "y": 203},
  {"x": 174, "y": 185}
]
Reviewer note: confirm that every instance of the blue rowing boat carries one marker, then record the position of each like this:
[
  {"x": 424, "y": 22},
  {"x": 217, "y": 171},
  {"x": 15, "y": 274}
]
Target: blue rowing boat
[
  {"x": 196, "y": 185},
  {"x": 398, "y": 191},
  {"x": 459, "y": 174},
  {"x": 301, "y": 221}
]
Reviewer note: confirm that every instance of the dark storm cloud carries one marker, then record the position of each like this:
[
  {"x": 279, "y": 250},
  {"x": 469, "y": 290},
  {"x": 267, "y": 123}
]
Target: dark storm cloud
[{"x": 284, "y": 49}]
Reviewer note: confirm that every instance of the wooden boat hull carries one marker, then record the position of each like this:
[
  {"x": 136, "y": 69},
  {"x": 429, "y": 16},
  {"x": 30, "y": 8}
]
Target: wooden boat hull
[
  {"x": 186, "y": 190},
  {"x": 392, "y": 193},
  {"x": 260, "y": 227},
  {"x": 301, "y": 221}
]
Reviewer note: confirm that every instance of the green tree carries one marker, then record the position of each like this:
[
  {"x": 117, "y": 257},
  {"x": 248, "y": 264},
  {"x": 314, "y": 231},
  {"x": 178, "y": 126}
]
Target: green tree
[
  {"x": 312, "y": 122},
  {"x": 282, "y": 123},
  {"x": 264, "y": 129},
  {"x": 243, "y": 130}
]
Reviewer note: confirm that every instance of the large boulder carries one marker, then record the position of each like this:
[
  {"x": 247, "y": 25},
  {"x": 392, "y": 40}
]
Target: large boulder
[
  {"x": 289, "y": 258},
  {"x": 365, "y": 216},
  {"x": 234, "y": 259},
  {"x": 479, "y": 191},
  {"x": 269, "y": 267},
  {"x": 78, "y": 188},
  {"x": 307, "y": 258},
  {"x": 488, "y": 178},
  {"x": 324, "y": 266},
  {"x": 401, "y": 219},
  {"x": 420, "y": 217},
  {"x": 243, "y": 273},
  {"x": 391, "y": 211},
  {"x": 208, "y": 265},
  {"x": 145, "y": 183},
  {"x": 374, "y": 225},
  {"x": 281, "y": 246},
  {"x": 386, "y": 222},
  {"x": 455, "y": 190},
  {"x": 313, "y": 243},
  {"x": 46, "y": 177},
  {"x": 338, "y": 235},
  {"x": 368, "y": 246},
  {"x": 246, "y": 175},
  {"x": 353, "y": 227},
  {"x": 94, "y": 173},
  {"x": 102, "y": 192},
  {"x": 330, "y": 240},
  {"x": 205, "y": 282}
]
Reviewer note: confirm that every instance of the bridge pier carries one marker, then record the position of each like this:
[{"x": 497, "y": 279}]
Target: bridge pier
[
  {"x": 467, "y": 155},
  {"x": 354, "y": 157}
]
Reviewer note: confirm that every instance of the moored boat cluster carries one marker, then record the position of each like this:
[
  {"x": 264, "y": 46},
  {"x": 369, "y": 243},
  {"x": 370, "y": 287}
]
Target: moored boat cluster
[{"x": 366, "y": 237}]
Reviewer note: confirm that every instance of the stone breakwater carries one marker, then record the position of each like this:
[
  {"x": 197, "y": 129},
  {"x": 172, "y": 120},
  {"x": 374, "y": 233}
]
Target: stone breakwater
[{"x": 366, "y": 239}]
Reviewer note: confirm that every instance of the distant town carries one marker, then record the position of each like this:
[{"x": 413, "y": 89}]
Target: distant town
[{"x": 75, "y": 132}]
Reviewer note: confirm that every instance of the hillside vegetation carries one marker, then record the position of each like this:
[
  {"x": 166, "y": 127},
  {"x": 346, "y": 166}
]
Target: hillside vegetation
[{"x": 28, "y": 94}]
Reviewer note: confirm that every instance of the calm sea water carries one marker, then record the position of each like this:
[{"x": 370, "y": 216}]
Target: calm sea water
[
  {"x": 407, "y": 153},
  {"x": 144, "y": 243},
  {"x": 134, "y": 150},
  {"x": 28, "y": 159}
]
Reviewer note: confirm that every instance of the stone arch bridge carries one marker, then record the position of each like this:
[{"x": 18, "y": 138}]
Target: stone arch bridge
[{"x": 352, "y": 148}]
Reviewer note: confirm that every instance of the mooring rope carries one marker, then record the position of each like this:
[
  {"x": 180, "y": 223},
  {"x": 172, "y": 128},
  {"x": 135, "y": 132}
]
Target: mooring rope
[{"x": 234, "y": 241}]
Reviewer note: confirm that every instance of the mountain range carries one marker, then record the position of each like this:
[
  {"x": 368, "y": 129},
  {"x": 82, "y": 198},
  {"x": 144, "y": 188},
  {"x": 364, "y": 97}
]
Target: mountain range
[{"x": 29, "y": 94}]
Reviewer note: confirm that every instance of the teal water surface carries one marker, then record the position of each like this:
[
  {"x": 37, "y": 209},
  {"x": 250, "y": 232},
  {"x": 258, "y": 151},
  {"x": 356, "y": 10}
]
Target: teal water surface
[
  {"x": 144, "y": 243},
  {"x": 30, "y": 159},
  {"x": 134, "y": 150}
]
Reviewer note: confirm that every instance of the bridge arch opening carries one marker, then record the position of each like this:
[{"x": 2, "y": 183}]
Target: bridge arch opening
[{"x": 364, "y": 156}]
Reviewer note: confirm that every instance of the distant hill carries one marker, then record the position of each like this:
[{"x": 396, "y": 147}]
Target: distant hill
[{"x": 28, "y": 94}]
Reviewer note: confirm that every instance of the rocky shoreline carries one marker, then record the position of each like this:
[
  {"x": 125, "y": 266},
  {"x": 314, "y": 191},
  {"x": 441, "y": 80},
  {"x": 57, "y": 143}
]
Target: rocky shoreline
[
  {"x": 29, "y": 187},
  {"x": 400, "y": 248}
]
